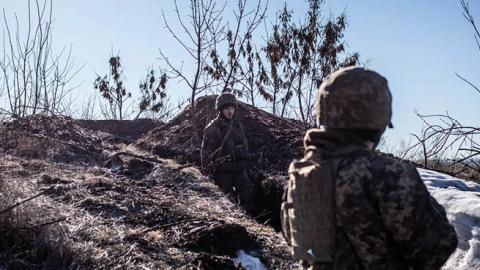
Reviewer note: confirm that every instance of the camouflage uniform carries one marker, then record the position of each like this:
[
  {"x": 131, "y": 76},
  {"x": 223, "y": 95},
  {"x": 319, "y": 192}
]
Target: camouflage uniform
[
  {"x": 384, "y": 216},
  {"x": 227, "y": 163}
]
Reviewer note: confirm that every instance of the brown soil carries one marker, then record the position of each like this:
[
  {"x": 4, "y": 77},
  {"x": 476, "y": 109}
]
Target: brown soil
[
  {"x": 121, "y": 130},
  {"x": 57, "y": 139}
]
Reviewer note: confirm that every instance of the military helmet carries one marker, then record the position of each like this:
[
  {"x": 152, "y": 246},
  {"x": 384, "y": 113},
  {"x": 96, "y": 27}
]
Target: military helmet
[
  {"x": 225, "y": 99},
  {"x": 354, "y": 98}
]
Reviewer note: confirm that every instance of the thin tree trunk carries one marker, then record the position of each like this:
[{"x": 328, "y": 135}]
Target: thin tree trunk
[
  {"x": 252, "y": 97},
  {"x": 286, "y": 101},
  {"x": 299, "y": 95},
  {"x": 274, "y": 100},
  {"x": 193, "y": 120}
]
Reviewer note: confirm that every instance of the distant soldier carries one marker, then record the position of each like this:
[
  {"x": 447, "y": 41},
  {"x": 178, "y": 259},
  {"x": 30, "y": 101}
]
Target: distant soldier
[
  {"x": 347, "y": 207},
  {"x": 225, "y": 151}
]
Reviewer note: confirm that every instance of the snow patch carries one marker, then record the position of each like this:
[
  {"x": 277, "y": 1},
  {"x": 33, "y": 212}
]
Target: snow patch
[
  {"x": 461, "y": 200},
  {"x": 249, "y": 262}
]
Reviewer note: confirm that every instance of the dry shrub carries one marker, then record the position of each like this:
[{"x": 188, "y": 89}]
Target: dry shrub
[
  {"x": 58, "y": 139},
  {"x": 30, "y": 147},
  {"x": 28, "y": 240}
]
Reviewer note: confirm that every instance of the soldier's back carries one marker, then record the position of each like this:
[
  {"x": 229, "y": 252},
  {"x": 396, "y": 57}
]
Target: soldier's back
[{"x": 388, "y": 216}]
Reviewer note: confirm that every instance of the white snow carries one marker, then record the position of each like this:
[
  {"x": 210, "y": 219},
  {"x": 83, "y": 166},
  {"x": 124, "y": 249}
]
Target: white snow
[
  {"x": 461, "y": 200},
  {"x": 249, "y": 262}
]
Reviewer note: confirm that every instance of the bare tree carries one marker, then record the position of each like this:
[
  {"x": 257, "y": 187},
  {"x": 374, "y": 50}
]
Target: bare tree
[
  {"x": 476, "y": 34},
  {"x": 203, "y": 28},
  {"x": 229, "y": 69},
  {"x": 3, "y": 112},
  {"x": 300, "y": 56},
  {"x": 112, "y": 89},
  {"x": 35, "y": 79},
  {"x": 153, "y": 91},
  {"x": 87, "y": 111},
  {"x": 445, "y": 142},
  {"x": 444, "y": 138},
  {"x": 280, "y": 74},
  {"x": 250, "y": 71}
]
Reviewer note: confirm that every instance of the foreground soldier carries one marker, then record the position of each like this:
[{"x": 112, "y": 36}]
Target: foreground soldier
[
  {"x": 225, "y": 153},
  {"x": 347, "y": 207}
]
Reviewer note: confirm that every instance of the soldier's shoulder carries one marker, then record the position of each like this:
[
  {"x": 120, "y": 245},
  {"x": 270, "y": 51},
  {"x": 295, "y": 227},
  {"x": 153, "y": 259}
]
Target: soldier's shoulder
[
  {"x": 302, "y": 166},
  {"x": 384, "y": 165},
  {"x": 309, "y": 162},
  {"x": 211, "y": 125},
  {"x": 376, "y": 166},
  {"x": 356, "y": 165}
]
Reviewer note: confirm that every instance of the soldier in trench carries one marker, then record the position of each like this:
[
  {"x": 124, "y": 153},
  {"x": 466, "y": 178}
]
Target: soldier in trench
[{"x": 224, "y": 152}]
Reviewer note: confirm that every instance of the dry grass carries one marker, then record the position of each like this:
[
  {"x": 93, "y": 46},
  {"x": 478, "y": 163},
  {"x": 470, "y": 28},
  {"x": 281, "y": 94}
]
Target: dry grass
[
  {"x": 115, "y": 222},
  {"x": 33, "y": 233}
]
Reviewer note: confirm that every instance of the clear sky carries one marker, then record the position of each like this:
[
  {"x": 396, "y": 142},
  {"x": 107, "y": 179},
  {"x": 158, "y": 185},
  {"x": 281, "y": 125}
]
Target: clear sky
[{"x": 417, "y": 44}]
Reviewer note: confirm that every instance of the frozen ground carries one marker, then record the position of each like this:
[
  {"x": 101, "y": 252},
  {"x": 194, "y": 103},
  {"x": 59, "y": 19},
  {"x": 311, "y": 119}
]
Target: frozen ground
[
  {"x": 248, "y": 261},
  {"x": 461, "y": 200}
]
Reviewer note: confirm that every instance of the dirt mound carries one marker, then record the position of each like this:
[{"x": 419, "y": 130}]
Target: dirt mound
[
  {"x": 63, "y": 139},
  {"x": 60, "y": 128},
  {"x": 121, "y": 130},
  {"x": 56, "y": 138},
  {"x": 273, "y": 141}
]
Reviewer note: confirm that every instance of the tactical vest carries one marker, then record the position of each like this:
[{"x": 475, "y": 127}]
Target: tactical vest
[
  {"x": 308, "y": 208},
  {"x": 233, "y": 144}
]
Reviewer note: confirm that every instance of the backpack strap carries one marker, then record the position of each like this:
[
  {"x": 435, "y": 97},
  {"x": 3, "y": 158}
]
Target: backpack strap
[{"x": 221, "y": 147}]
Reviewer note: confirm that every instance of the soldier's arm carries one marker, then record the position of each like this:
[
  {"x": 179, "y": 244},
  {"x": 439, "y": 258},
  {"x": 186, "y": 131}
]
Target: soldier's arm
[
  {"x": 244, "y": 138},
  {"x": 415, "y": 221},
  {"x": 209, "y": 144}
]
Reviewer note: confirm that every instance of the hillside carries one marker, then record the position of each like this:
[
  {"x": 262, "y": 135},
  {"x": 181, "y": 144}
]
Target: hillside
[{"x": 97, "y": 202}]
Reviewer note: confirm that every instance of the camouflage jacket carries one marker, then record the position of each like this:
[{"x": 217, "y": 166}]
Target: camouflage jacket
[
  {"x": 385, "y": 217},
  {"x": 224, "y": 150}
]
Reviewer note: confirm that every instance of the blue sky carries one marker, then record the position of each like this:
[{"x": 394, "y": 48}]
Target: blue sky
[{"x": 417, "y": 45}]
